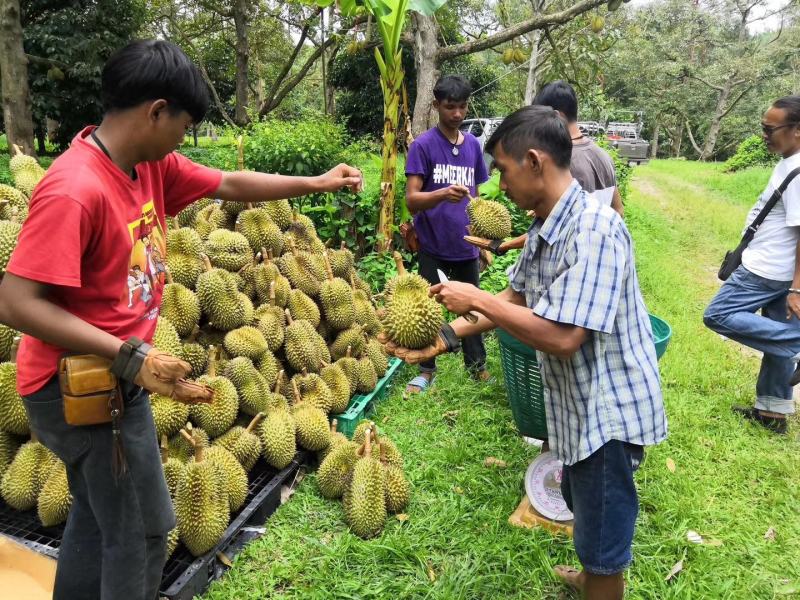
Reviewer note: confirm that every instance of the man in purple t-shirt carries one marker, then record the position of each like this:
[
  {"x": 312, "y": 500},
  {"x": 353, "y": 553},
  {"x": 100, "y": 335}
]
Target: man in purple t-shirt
[{"x": 444, "y": 167}]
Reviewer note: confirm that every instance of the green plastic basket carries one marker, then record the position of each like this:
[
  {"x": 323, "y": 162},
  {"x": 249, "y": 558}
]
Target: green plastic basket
[
  {"x": 361, "y": 406},
  {"x": 524, "y": 382}
]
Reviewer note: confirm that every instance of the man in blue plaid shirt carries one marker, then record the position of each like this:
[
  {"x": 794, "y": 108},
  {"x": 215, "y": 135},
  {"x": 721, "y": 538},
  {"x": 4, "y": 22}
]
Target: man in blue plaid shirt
[{"x": 574, "y": 296}]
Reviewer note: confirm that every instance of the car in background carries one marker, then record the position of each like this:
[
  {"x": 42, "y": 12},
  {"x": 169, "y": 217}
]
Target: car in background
[{"x": 482, "y": 128}]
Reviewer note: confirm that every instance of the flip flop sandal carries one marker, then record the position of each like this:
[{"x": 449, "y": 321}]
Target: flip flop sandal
[
  {"x": 561, "y": 570},
  {"x": 423, "y": 383}
]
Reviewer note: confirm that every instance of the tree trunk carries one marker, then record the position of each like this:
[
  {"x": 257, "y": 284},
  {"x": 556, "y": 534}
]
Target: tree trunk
[
  {"x": 720, "y": 110},
  {"x": 392, "y": 87},
  {"x": 677, "y": 141},
  {"x": 242, "y": 57},
  {"x": 427, "y": 46},
  {"x": 654, "y": 140},
  {"x": 533, "y": 67},
  {"x": 14, "y": 79}
]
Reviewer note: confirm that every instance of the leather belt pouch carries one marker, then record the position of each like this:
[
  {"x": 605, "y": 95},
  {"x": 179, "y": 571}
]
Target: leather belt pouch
[{"x": 91, "y": 392}]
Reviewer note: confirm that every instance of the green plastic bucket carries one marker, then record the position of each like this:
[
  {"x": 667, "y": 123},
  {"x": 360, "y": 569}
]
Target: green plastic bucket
[{"x": 524, "y": 381}]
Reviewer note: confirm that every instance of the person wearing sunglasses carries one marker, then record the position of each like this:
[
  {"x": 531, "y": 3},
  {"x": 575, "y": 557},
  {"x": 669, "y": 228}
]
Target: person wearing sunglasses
[{"x": 769, "y": 279}]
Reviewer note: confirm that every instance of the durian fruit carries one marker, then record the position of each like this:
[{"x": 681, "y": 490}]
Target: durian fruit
[
  {"x": 377, "y": 354},
  {"x": 13, "y": 204},
  {"x": 211, "y": 218},
  {"x": 397, "y": 489},
  {"x": 336, "y": 297},
  {"x": 234, "y": 477},
  {"x": 183, "y": 256},
  {"x": 180, "y": 307},
  {"x": 269, "y": 366},
  {"x": 349, "y": 367},
  {"x": 181, "y": 448},
  {"x": 248, "y": 309},
  {"x": 7, "y": 336},
  {"x": 360, "y": 432},
  {"x": 166, "y": 338},
  {"x": 360, "y": 284},
  {"x": 302, "y": 345},
  {"x": 219, "y": 298},
  {"x": 278, "y": 438},
  {"x": 245, "y": 277},
  {"x": 173, "y": 537},
  {"x": 218, "y": 416},
  {"x": 311, "y": 423},
  {"x": 302, "y": 235},
  {"x": 389, "y": 451},
  {"x": 353, "y": 338},
  {"x": 276, "y": 399},
  {"x": 508, "y": 56},
  {"x": 363, "y": 310},
  {"x": 234, "y": 208},
  {"x": 367, "y": 378},
  {"x": 55, "y": 499},
  {"x": 169, "y": 415},
  {"x": 202, "y": 507},
  {"x": 8, "y": 448},
  {"x": 246, "y": 341},
  {"x": 412, "y": 319},
  {"x": 302, "y": 307},
  {"x": 187, "y": 216},
  {"x": 342, "y": 262},
  {"x": 251, "y": 385},
  {"x": 337, "y": 439},
  {"x": 257, "y": 226},
  {"x": 25, "y": 171},
  {"x": 280, "y": 211},
  {"x": 339, "y": 386},
  {"x": 25, "y": 476},
  {"x": 364, "y": 498},
  {"x": 194, "y": 354},
  {"x": 303, "y": 270},
  {"x": 13, "y": 417},
  {"x": 333, "y": 470},
  {"x": 228, "y": 250},
  {"x": 266, "y": 273},
  {"x": 174, "y": 469},
  {"x": 314, "y": 390},
  {"x": 243, "y": 442},
  {"x": 489, "y": 219},
  {"x": 9, "y": 233},
  {"x": 271, "y": 322}
]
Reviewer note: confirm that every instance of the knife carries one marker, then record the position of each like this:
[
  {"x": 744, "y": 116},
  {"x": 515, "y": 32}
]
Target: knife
[{"x": 470, "y": 316}]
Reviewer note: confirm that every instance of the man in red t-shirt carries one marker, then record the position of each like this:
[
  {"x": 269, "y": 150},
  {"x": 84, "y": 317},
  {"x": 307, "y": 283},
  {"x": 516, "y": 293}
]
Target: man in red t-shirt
[{"x": 87, "y": 277}]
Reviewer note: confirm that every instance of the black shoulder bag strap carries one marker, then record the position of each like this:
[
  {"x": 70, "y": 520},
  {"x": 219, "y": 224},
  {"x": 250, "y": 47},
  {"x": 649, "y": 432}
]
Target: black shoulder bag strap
[{"x": 733, "y": 258}]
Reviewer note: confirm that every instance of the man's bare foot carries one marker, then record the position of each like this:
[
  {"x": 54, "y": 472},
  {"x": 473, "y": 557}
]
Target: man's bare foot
[{"x": 571, "y": 576}]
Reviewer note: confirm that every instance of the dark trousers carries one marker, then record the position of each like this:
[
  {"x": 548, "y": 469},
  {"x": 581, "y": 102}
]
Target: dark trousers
[
  {"x": 114, "y": 544},
  {"x": 468, "y": 272}
]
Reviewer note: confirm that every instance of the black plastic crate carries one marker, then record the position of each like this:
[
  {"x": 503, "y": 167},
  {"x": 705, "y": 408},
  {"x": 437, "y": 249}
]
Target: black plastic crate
[{"x": 185, "y": 576}]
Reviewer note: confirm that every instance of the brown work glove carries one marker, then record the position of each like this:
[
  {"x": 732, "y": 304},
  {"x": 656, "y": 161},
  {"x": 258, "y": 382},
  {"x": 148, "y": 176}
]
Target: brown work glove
[
  {"x": 446, "y": 341},
  {"x": 152, "y": 369},
  {"x": 191, "y": 392}
]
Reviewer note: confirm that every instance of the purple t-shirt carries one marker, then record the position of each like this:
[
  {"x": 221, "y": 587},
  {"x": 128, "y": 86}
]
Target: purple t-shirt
[{"x": 441, "y": 229}]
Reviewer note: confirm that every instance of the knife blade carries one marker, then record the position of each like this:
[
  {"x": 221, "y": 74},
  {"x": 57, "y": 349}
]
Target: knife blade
[{"x": 470, "y": 316}]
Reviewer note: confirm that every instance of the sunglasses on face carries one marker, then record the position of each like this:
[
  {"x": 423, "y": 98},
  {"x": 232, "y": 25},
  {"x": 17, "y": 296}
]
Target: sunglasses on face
[{"x": 770, "y": 129}]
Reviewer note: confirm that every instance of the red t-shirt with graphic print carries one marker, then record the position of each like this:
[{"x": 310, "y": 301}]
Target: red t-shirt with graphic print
[{"x": 98, "y": 238}]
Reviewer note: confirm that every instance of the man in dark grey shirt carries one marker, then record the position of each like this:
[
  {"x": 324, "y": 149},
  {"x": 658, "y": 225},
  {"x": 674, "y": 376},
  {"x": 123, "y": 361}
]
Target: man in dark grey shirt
[{"x": 589, "y": 164}]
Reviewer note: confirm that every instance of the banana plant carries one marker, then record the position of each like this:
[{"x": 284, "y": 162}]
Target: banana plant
[{"x": 390, "y": 18}]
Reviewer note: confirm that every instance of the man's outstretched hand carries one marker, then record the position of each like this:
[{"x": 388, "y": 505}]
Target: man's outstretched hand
[
  {"x": 342, "y": 176},
  {"x": 410, "y": 356}
]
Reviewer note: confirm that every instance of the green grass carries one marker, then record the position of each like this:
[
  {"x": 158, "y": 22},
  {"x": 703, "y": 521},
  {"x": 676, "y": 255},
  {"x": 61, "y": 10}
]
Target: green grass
[{"x": 732, "y": 482}]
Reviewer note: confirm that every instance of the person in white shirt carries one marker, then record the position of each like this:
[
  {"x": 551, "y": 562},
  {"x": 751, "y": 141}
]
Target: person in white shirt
[{"x": 769, "y": 280}]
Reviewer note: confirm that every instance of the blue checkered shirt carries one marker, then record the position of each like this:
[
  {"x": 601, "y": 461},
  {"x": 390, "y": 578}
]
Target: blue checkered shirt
[{"x": 577, "y": 267}]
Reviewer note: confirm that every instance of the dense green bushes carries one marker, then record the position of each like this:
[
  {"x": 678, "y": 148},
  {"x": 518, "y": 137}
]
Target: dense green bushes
[{"x": 752, "y": 152}]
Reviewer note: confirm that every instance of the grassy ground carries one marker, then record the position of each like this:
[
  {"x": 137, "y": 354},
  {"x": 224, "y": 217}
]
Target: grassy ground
[{"x": 732, "y": 482}]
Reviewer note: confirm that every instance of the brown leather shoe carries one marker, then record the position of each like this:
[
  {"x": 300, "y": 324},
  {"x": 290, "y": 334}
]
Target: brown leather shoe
[{"x": 774, "y": 424}]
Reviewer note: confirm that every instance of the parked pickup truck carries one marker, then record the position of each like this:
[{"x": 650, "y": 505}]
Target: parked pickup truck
[{"x": 625, "y": 138}]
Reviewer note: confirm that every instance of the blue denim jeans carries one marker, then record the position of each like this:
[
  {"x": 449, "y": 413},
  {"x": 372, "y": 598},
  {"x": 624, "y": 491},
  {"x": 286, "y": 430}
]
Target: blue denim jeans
[
  {"x": 732, "y": 313},
  {"x": 115, "y": 540},
  {"x": 601, "y": 493}
]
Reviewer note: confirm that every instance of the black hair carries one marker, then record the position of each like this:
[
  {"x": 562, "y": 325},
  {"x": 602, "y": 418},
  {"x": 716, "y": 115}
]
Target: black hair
[
  {"x": 791, "y": 104},
  {"x": 150, "y": 70},
  {"x": 452, "y": 87},
  {"x": 537, "y": 127},
  {"x": 559, "y": 95}
]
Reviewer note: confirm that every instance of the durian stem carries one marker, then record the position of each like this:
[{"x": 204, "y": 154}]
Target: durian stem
[
  {"x": 193, "y": 336},
  {"x": 34, "y": 437},
  {"x": 206, "y": 262},
  {"x": 189, "y": 437},
  {"x": 272, "y": 293},
  {"x": 164, "y": 449},
  {"x": 289, "y": 319},
  {"x": 213, "y": 356},
  {"x": 297, "y": 398},
  {"x": 254, "y": 423},
  {"x": 398, "y": 261},
  {"x": 278, "y": 380},
  {"x": 250, "y": 206},
  {"x": 334, "y": 425},
  {"x": 343, "y": 246},
  {"x": 328, "y": 268},
  {"x": 17, "y": 149},
  {"x": 382, "y": 452},
  {"x": 349, "y": 351},
  {"x": 14, "y": 347},
  {"x": 368, "y": 443},
  {"x": 168, "y": 275}
]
